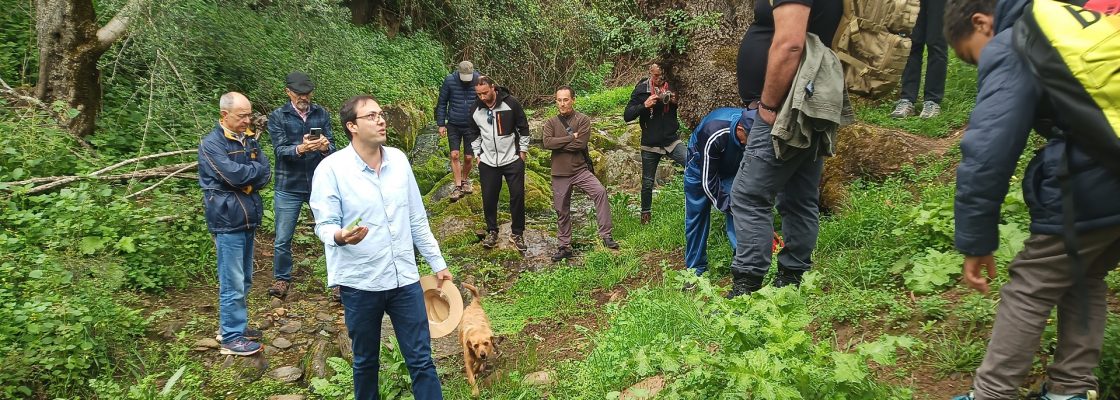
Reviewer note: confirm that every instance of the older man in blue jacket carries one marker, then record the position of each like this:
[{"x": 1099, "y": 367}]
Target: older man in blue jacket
[
  {"x": 232, "y": 170},
  {"x": 715, "y": 150},
  {"x": 1043, "y": 274}
]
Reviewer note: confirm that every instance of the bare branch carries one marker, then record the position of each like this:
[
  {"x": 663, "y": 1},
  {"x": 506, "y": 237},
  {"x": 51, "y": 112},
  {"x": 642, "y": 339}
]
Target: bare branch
[
  {"x": 116, "y": 27},
  {"x": 174, "y": 170},
  {"x": 144, "y": 158},
  {"x": 161, "y": 181}
]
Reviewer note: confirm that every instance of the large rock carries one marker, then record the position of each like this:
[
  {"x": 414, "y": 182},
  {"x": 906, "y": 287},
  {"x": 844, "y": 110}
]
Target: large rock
[
  {"x": 286, "y": 374},
  {"x": 646, "y": 389},
  {"x": 315, "y": 361},
  {"x": 247, "y": 368},
  {"x": 873, "y": 153},
  {"x": 206, "y": 343},
  {"x": 539, "y": 378}
]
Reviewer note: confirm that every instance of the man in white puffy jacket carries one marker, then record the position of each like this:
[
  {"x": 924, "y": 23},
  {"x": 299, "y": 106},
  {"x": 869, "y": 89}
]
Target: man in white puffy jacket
[{"x": 501, "y": 130}]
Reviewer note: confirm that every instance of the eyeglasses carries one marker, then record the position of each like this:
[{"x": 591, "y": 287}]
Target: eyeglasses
[
  {"x": 374, "y": 115},
  {"x": 490, "y": 116}
]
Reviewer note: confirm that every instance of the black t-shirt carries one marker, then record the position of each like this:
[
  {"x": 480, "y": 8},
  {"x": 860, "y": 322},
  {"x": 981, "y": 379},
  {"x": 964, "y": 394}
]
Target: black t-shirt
[{"x": 824, "y": 18}]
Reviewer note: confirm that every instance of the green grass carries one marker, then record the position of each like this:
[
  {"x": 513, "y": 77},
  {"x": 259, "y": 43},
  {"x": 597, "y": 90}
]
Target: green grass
[{"x": 960, "y": 97}]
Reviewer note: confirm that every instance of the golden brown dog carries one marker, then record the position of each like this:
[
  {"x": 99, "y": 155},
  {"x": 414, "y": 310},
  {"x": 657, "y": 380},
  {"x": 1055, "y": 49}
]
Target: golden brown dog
[{"x": 476, "y": 337}]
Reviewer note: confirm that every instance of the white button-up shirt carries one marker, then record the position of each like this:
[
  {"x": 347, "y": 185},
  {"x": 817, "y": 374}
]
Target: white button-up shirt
[{"x": 344, "y": 189}]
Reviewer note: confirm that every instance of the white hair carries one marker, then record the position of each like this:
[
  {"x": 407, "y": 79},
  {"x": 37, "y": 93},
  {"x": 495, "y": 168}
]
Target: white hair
[{"x": 227, "y": 100}]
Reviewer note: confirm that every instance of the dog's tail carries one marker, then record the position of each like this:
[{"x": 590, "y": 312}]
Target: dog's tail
[{"x": 474, "y": 290}]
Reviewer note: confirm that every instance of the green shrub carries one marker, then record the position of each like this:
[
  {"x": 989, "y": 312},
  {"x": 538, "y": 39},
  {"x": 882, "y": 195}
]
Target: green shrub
[
  {"x": 1109, "y": 369},
  {"x": 709, "y": 347},
  {"x": 58, "y": 327}
]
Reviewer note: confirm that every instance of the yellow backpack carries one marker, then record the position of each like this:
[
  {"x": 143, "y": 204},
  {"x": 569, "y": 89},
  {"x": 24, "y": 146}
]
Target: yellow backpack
[{"x": 1073, "y": 48}]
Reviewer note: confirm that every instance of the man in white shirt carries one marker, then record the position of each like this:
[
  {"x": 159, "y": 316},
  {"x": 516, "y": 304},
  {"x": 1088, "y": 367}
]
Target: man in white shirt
[{"x": 370, "y": 189}]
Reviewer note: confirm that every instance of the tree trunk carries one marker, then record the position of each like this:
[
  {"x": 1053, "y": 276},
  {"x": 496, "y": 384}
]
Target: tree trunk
[
  {"x": 70, "y": 43},
  {"x": 704, "y": 74},
  {"x": 68, "y": 53},
  {"x": 363, "y": 11}
]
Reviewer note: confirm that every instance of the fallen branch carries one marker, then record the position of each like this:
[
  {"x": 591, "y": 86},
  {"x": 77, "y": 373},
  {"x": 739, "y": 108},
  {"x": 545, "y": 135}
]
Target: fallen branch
[
  {"x": 98, "y": 173},
  {"x": 164, "y": 171},
  {"x": 144, "y": 158},
  {"x": 161, "y": 181}
]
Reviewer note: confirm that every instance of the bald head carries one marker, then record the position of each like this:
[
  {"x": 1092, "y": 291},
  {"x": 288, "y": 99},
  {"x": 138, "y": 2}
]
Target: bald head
[
  {"x": 236, "y": 111},
  {"x": 231, "y": 100}
]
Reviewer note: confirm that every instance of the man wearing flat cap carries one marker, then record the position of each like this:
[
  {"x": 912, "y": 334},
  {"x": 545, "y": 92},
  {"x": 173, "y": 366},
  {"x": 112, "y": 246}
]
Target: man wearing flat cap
[{"x": 301, "y": 137}]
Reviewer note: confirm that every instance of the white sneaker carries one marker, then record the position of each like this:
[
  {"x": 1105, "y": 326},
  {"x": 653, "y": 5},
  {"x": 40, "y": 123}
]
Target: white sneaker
[
  {"x": 903, "y": 109},
  {"x": 930, "y": 110}
]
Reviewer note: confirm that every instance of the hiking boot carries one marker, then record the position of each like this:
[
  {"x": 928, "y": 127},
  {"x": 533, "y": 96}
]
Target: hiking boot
[
  {"x": 250, "y": 333},
  {"x": 609, "y": 243},
  {"x": 467, "y": 187},
  {"x": 645, "y": 217},
  {"x": 279, "y": 289},
  {"x": 518, "y": 241},
  {"x": 930, "y": 110},
  {"x": 787, "y": 277},
  {"x": 456, "y": 194},
  {"x": 336, "y": 294},
  {"x": 490, "y": 240},
  {"x": 903, "y": 109},
  {"x": 562, "y": 253},
  {"x": 743, "y": 284},
  {"x": 241, "y": 347}
]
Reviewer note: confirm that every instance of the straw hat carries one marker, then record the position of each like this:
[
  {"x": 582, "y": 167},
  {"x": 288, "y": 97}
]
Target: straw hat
[{"x": 444, "y": 306}]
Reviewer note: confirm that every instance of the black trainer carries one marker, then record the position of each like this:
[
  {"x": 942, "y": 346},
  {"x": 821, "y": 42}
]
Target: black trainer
[
  {"x": 787, "y": 277},
  {"x": 609, "y": 243},
  {"x": 562, "y": 253},
  {"x": 743, "y": 284}
]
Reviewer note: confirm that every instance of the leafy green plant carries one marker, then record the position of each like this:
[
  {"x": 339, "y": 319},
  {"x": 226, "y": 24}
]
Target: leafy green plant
[
  {"x": 1108, "y": 371},
  {"x": 393, "y": 380},
  {"x": 957, "y": 352},
  {"x": 932, "y": 271},
  {"x": 933, "y": 307},
  {"x": 754, "y": 344}
]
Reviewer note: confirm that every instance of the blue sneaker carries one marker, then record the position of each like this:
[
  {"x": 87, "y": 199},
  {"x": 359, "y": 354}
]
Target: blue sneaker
[
  {"x": 250, "y": 333},
  {"x": 241, "y": 347},
  {"x": 964, "y": 397}
]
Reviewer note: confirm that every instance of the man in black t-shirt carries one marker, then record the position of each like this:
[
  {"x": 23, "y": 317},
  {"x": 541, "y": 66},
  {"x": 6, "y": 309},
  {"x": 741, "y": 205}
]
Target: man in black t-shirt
[{"x": 768, "y": 59}]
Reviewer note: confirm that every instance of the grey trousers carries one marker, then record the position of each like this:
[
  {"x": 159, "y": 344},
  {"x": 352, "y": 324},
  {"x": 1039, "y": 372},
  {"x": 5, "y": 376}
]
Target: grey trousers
[
  {"x": 586, "y": 182},
  {"x": 1041, "y": 278},
  {"x": 794, "y": 182}
]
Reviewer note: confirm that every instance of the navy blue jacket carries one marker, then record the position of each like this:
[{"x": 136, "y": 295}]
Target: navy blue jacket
[
  {"x": 455, "y": 101},
  {"x": 286, "y": 130},
  {"x": 714, "y": 152},
  {"x": 1006, "y": 102},
  {"x": 231, "y": 174}
]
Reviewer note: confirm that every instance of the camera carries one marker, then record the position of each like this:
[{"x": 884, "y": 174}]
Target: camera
[{"x": 665, "y": 96}]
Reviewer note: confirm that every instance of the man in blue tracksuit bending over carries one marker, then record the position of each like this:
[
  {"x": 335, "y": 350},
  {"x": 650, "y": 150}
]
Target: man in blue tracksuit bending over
[{"x": 714, "y": 152}]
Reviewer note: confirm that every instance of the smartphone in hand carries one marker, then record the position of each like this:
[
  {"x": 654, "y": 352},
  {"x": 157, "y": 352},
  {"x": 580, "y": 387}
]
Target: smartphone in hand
[{"x": 315, "y": 134}]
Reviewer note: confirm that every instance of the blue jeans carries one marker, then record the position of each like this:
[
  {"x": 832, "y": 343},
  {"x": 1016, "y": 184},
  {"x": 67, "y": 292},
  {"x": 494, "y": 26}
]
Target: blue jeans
[
  {"x": 698, "y": 220},
  {"x": 405, "y": 306},
  {"x": 285, "y": 209},
  {"x": 795, "y": 182},
  {"x": 235, "y": 276},
  {"x": 650, "y": 161}
]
